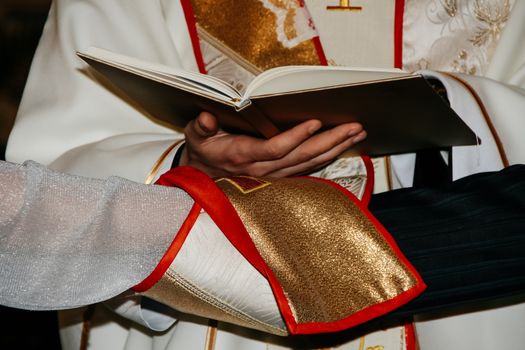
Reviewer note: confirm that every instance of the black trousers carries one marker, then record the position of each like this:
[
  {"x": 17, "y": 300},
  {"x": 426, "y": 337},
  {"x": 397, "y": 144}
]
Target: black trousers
[{"x": 466, "y": 238}]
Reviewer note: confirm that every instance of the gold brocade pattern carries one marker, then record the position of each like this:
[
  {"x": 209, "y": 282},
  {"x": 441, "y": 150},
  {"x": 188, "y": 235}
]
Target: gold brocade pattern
[
  {"x": 329, "y": 258},
  {"x": 453, "y": 35},
  {"x": 253, "y": 33}
]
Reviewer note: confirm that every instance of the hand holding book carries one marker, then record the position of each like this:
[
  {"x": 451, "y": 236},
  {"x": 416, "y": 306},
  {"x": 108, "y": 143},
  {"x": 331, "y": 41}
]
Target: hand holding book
[
  {"x": 294, "y": 151},
  {"x": 400, "y": 111}
]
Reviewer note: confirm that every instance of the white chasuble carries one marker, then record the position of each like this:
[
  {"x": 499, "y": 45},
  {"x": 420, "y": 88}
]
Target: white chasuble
[
  {"x": 362, "y": 38},
  {"x": 90, "y": 131},
  {"x": 360, "y": 34},
  {"x": 457, "y": 36}
]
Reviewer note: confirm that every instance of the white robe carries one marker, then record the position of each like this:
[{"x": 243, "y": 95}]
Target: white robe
[{"x": 69, "y": 121}]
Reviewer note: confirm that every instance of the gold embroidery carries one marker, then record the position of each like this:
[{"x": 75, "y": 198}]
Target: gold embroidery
[
  {"x": 155, "y": 168},
  {"x": 344, "y": 5},
  {"x": 451, "y": 6},
  {"x": 245, "y": 184},
  {"x": 462, "y": 35},
  {"x": 289, "y": 20},
  {"x": 251, "y": 30},
  {"x": 493, "y": 19},
  {"x": 362, "y": 345},
  {"x": 460, "y": 64}
]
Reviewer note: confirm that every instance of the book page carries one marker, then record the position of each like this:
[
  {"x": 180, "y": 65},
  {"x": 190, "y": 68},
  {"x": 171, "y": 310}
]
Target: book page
[
  {"x": 190, "y": 81},
  {"x": 303, "y": 78}
]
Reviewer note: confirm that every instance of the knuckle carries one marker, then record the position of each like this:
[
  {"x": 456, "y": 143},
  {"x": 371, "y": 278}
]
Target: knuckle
[
  {"x": 274, "y": 152},
  {"x": 304, "y": 155},
  {"x": 257, "y": 171},
  {"x": 236, "y": 159}
]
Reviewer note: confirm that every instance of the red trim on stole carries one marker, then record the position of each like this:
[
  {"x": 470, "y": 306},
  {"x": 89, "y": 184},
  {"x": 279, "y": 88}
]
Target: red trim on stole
[
  {"x": 207, "y": 194},
  {"x": 204, "y": 191},
  {"x": 171, "y": 253},
  {"x": 194, "y": 36},
  {"x": 377, "y": 310},
  {"x": 315, "y": 40},
  {"x": 320, "y": 52},
  {"x": 410, "y": 337},
  {"x": 398, "y": 33},
  {"x": 370, "y": 178}
]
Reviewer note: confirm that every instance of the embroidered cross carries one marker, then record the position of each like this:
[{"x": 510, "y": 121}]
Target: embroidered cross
[{"x": 344, "y": 5}]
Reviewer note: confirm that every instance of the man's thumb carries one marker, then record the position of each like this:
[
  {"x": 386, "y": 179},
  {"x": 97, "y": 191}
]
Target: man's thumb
[{"x": 206, "y": 125}]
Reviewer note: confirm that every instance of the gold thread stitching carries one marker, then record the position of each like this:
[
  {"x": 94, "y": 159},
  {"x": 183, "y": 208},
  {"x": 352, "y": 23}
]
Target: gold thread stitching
[
  {"x": 155, "y": 168},
  {"x": 199, "y": 293}
]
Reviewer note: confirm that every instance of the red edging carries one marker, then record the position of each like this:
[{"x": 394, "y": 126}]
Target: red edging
[
  {"x": 205, "y": 192},
  {"x": 194, "y": 36},
  {"x": 200, "y": 186},
  {"x": 398, "y": 33},
  {"x": 221, "y": 211},
  {"x": 386, "y": 235},
  {"x": 171, "y": 253},
  {"x": 320, "y": 52},
  {"x": 316, "y": 40},
  {"x": 410, "y": 336},
  {"x": 370, "y": 178},
  {"x": 377, "y": 310}
]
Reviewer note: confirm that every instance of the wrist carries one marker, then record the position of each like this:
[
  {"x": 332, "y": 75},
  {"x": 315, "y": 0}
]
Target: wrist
[{"x": 178, "y": 159}]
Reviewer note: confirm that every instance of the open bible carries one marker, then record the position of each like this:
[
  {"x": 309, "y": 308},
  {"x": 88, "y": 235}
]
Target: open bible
[{"x": 400, "y": 111}]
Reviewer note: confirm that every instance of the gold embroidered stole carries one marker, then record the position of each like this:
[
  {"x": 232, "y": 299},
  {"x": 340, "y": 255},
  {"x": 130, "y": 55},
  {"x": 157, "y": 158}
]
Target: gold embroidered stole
[
  {"x": 319, "y": 243},
  {"x": 330, "y": 264},
  {"x": 258, "y": 35}
]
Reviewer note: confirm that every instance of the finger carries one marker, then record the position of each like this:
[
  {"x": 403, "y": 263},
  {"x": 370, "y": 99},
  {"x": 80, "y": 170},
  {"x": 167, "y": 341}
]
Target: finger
[
  {"x": 205, "y": 125},
  {"x": 314, "y": 147},
  {"x": 320, "y": 160},
  {"x": 283, "y": 143},
  {"x": 324, "y": 141}
]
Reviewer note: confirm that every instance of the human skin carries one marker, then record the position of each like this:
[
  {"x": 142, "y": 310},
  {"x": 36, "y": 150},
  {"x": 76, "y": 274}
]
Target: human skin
[{"x": 297, "y": 150}]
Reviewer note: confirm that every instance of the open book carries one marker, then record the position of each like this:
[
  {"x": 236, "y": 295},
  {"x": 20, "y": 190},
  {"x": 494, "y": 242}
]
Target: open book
[{"x": 400, "y": 111}]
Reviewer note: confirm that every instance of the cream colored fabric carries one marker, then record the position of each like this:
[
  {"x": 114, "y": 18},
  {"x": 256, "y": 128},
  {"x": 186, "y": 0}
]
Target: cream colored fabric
[
  {"x": 210, "y": 267},
  {"x": 502, "y": 58},
  {"x": 363, "y": 38},
  {"x": 69, "y": 119},
  {"x": 64, "y": 107},
  {"x": 453, "y": 36}
]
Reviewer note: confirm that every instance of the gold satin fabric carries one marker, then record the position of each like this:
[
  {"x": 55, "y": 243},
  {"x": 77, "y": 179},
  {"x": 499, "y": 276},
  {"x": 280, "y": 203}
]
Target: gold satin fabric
[
  {"x": 330, "y": 260},
  {"x": 248, "y": 29}
]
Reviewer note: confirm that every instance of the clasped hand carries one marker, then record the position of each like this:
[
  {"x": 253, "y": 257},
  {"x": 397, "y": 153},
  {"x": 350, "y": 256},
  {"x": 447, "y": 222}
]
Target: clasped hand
[{"x": 295, "y": 151}]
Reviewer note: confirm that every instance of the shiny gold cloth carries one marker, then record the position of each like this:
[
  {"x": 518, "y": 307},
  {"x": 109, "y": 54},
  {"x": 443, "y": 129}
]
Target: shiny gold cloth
[
  {"x": 328, "y": 262},
  {"x": 328, "y": 256},
  {"x": 246, "y": 31}
]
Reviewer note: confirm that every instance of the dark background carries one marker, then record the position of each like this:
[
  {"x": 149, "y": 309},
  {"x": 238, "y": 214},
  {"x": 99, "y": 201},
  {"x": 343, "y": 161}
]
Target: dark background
[{"x": 21, "y": 23}]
